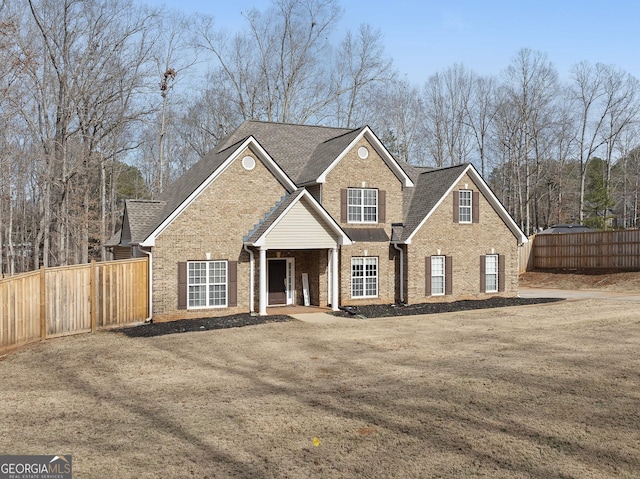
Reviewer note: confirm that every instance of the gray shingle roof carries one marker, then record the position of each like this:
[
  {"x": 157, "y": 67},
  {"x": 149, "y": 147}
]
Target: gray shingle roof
[
  {"x": 431, "y": 185},
  {"x": 299, "y": 150},
  {"x": 142, "y": 216},
  {"x": 304, "y": 153}
]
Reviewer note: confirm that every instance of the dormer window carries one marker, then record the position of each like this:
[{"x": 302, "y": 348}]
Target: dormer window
[{"x": 362, "y": 205}]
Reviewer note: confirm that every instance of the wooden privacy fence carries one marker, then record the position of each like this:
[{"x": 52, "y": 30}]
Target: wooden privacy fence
[
  {"x": 68, "y": 300},
  {"x": 599, "y": 250},
  {"x": 525, "y": 256}
]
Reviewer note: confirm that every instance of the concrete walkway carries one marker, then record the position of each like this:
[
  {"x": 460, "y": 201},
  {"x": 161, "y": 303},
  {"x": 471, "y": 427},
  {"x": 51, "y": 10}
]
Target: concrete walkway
[{"x": 323, "y": 318}]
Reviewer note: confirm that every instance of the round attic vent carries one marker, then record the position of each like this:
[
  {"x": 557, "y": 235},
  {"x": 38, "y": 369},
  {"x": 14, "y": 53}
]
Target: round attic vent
[
  {"x": 248, "y": 163},
  {"x": 363, "y": 152}
]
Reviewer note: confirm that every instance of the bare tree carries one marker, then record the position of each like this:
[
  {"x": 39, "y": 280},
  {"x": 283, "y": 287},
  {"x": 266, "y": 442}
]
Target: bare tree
[
  {"x": 531, "y": 85},
  {"x": 446, "y": 95},
  {"x": 361, "y": 68},
  {"x": 276, "y": 71},
  {"x": 594, "y": 102},
  {"x": 480, "y": 112},
  {"x": 398, "y": 119}
]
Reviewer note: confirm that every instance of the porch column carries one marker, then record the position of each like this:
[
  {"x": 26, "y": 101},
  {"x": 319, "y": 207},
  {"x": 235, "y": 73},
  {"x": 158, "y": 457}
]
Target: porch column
[
  {"x": 334, "y": 279},
  {"x": 263, "y": 282}
]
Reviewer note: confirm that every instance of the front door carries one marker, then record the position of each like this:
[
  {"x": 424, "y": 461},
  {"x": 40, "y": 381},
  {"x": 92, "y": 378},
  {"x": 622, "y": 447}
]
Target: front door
[{"x": 277, "y": 281}]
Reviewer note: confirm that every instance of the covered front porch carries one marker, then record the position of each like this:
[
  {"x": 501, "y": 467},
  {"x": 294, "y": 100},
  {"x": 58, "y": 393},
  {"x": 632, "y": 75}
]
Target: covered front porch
[
  {"x": 297, "y": 278},
  {"x": 295, "y": 251}
]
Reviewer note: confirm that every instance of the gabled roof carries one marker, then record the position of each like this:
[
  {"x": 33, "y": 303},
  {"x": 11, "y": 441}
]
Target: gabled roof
[
  {"x": 431, "y": 189},
  {"x": 307, "y": 153},
  {"x": 139, "y": 219},
  {"x": 257, "y": 235},
  {"x": 292, "y": 146},
  {"x": 200, "y": 175}
]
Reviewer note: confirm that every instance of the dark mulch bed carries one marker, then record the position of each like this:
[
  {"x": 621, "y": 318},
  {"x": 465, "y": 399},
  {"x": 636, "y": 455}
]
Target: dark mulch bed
[
  {"x": 200, "y": 324},
  {"x": 386, "y": 310},
  {"x": 372, "y": 311}
]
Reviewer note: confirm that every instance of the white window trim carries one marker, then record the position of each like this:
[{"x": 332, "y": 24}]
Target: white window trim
[
  {"x": 488, "y": 273},
  {"x": 364, "y": 276},
  {"x": 443, "y": 275},
  {"x": 465, "y": 207},
  {"x": 206, "y": 284},
  {"x": 362, "y": 206}
]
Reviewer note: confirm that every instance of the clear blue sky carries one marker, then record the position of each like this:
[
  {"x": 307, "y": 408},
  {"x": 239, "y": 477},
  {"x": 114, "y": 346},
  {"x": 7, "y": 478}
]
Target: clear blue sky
[{"x": 424, "y": 37}]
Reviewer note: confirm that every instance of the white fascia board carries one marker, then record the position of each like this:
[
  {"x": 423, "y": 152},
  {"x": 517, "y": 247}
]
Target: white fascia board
[
  {"x": 382, "y": 151},
  {"x": 343, "y": 239},
  {"x": 488, "y": 194},
  {"x": 272, "y": 166},
  {"x": 497, "y": 205}
]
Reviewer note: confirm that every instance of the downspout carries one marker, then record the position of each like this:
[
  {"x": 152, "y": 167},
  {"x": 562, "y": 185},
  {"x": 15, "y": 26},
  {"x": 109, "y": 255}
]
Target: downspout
[
  {"x": 148, "y": 253},
  {"x": 251, "y": 279},
  {"x": 395, "y": 245}
]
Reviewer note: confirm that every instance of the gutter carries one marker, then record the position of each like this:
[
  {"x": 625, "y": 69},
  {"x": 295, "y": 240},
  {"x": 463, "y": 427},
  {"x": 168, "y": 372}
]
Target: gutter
[
  {"x": 148, "y": 253},
  {"x": 251, "y": 278},
  {"x": 395, "y": 245}
]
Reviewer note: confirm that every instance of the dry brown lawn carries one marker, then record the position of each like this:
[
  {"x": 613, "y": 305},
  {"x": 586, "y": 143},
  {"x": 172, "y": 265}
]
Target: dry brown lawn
[{"x": 547, "y": 391}]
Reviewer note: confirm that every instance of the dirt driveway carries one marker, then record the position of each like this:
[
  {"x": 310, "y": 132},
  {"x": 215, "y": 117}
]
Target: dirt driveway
[{"x": 547, "y": 391}]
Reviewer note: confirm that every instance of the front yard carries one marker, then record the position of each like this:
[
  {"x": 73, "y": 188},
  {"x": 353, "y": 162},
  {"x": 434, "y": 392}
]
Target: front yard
[{"x": 544, "y": 391}]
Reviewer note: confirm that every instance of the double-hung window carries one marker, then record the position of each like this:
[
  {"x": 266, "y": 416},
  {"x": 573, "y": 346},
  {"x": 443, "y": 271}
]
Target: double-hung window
[
  {"x": 437, "y": 275},
  {"x": 362, "y": 205},
  {"x": 465, "y": 214},
  {"x": 491, "y": 273},
  {"x": 207, "y": 284},
  {"x": 364, "y": 277}
]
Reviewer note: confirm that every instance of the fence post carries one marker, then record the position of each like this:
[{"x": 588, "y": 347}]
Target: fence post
[
  {"x": 93, "y": 291},
  {"x": 43, "y": 304}
]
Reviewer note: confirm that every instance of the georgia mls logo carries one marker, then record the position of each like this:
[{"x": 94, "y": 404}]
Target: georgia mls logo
[{"x": 36, "y": 467}]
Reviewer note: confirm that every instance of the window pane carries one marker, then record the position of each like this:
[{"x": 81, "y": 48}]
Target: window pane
[
  {"x": 355, "y": 214},
  {"x": 491, "y": 268},
  {"x": 437, "y": 265},
  {"x": 465, "y": 206},
  {"x": 197, "y": 273},
  {"x": 197, "y": 296},
  {"x": 207, "y": 283},
  {"x": 218, "y": 295},
  {"x": 492, "y": 264},
  {"x": 362, "y": 205},
  {"x": 437, "y": 285},
  {"x": 370, "y": 214},
  {"x": 364, "y": 277},
  {"x": 371, "y": 287},
  {"x": 357, "y": 287},
  {"x": 437, "y": 275},
  {"x": 218, "y": 272},
  {"x": 370, "y": 197}
]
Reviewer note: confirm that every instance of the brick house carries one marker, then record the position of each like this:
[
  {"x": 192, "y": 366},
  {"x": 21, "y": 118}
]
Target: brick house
[{"x": 281, "y": 214}]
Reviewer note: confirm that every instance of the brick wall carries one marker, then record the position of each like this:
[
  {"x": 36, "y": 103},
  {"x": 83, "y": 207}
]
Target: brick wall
[
  {"x": 215, "y": 223},
  {"x": 352, "y": 171},
  {"x": 465, "y": 243}
]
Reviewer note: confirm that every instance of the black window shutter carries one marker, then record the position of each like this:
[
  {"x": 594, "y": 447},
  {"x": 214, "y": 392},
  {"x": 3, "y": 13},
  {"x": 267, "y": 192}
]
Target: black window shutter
[
  {"x": 483, "y": 274},
  {"x": 182, "y": 285},
  {"x": 448, "y": 274},
  {"x": 427, "y": 276},
  {"x": 475, "y": 206},
  {"x": 501, "y": 269},
  {"x": 343, "y": 205},
  {"x": 456, "y": 206},
  {"x": 232, "y": 281},
  {"x": 382, "y": 206}
]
